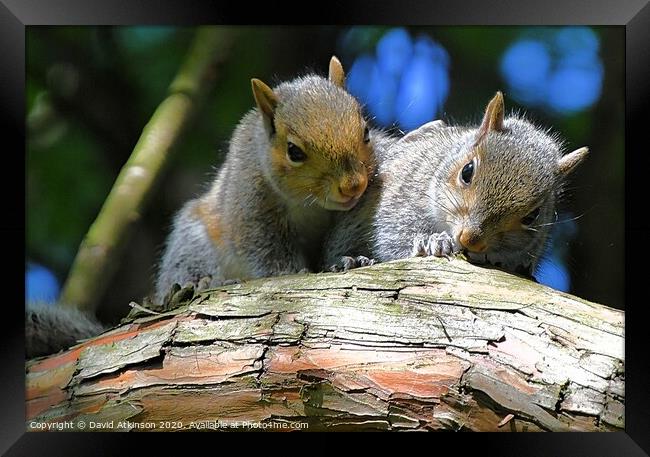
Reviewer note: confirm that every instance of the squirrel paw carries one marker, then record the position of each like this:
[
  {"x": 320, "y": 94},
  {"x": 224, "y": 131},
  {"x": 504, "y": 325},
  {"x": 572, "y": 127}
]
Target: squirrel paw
[
  {"x": 206, "y": 283},
  {"x": 177, "y": 295},
  {"x": 348, "y": 263},
  {"x": 437, "y": 245}
]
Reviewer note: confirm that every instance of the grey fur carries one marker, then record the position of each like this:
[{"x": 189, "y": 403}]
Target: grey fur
[
  {"x": 271, "y": 231},
  {"x": 412, "y": 209},
  {"x": 50, "y": 328},
  {"x": 438, "y": 244}
]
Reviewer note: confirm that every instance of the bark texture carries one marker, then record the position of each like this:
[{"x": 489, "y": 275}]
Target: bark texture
[{"x": 418, "y": 344}]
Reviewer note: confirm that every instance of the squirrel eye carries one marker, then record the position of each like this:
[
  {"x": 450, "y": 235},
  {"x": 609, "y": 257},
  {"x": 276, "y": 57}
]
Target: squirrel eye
[
  {"x": 531, "y": 217},
  {"x": 295, "y": 153},
  {"x": 366, "y": 135},
  {"x": 467, "y": 173}
]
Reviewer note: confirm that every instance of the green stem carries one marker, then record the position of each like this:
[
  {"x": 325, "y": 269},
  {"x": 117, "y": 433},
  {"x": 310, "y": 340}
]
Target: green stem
[{"x": 100, "y": 251}]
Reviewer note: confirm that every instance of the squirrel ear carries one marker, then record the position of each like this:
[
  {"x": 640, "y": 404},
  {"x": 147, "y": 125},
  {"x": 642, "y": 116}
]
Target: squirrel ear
[
  {"x": 570, "y": 161},
  {"x": 493, "y": 118},
  {"x": 265, "y": 98},
  {"x": 424, "y": 130},
  {"x": 336, "y": 74}
]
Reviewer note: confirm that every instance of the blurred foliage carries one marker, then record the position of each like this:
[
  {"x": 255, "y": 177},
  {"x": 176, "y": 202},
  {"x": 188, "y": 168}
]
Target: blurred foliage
[
  {"x": 91, "y": 90},
  {"x": 405, "y": 82},
  {"x": 558, "y": 69}
]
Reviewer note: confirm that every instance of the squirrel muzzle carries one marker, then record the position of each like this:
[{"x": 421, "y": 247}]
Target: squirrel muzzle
[
  {"x": 345, "y": 193},
  {"x": 354, "y": 186},
  {"x": 472, "y": 240}
]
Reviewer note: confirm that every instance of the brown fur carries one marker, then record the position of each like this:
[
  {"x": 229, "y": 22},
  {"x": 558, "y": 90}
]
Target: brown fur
[
  {"x": 205, "y": 212},
  {"x": 270, "y": 205}
]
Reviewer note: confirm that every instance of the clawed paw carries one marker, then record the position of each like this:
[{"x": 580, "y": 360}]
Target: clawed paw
[
  {"x": 203, "y": 283},
  {"x": 178, "y": 295},
  {"x": 348, "y": 263},
  {"x": 206, "y": 283},
  {"x": 437, "y": 245}
]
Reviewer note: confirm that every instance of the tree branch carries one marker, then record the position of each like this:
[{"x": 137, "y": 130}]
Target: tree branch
[
  {"x": 98, "y": 255},
  {"x": 422, "y": 343}
]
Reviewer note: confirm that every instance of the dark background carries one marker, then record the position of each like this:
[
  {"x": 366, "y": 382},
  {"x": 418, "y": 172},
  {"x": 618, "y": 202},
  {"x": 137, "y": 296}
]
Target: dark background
[{"x": 90, "y": 91}]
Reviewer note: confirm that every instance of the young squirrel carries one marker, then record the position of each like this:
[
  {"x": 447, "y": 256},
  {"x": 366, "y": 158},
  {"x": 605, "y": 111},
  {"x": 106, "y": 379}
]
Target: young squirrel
[
  {"x": 489, "y": 191},
  {"x": 302, "y": 154}
]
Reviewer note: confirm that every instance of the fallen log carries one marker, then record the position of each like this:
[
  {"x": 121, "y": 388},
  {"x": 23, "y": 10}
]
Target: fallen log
[{"x": 416, "y": 344}]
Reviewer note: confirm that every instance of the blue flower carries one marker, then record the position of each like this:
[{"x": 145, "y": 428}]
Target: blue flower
[
  {"x": 40, "y": 285},
  {"x": 424, "y": 85},
  {"x": 394, "y": 51},
  {"x": 573, "y": 88},
  {"x": 406, "y": 82},
  {"x": 526, "y": 65},
  {"x": 559, "y": 71},
  {"x": 358, "y": 77}
]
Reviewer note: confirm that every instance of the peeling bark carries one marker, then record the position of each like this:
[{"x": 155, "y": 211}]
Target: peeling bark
[{"x": 418, "y": 344}]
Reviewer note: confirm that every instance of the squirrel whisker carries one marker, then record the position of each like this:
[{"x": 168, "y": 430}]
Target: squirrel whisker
[
  {"x": 562, "y": 221},
  {"x": 433, "y": 191}
]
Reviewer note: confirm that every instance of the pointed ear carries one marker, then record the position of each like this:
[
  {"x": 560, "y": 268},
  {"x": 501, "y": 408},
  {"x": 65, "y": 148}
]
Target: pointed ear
[
  {"x": 265, "y": 98},
  {"x": 336, "y": 73},
  {"x": 493, "y": 118},
  {"x": 570, "y": 161},
  {"x": 423, "y": 130}
]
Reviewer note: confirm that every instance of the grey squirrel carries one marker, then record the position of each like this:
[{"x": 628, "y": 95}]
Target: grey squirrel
[
  {"x": 489, "y": 191},
  {"x": 304, "y": 153}
]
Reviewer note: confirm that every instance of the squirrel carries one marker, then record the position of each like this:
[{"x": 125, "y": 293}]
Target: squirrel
[
  {"x": 488, "y": 191},
  {"x": 303, "y": 153}
]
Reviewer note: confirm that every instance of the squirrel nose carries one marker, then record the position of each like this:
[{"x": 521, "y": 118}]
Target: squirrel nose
[
  {"x": 472, "y": 240},
  {"x": 353, "y": 187}
]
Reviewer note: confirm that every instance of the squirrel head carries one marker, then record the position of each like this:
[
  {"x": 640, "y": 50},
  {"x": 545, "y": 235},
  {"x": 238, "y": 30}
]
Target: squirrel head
[
  {"x": 319, "y": 143},
  {"x": 502, "y": 182}
]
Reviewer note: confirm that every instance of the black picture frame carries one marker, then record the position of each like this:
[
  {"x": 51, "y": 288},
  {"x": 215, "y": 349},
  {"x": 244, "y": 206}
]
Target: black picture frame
[{"x": 634, "y": 15}]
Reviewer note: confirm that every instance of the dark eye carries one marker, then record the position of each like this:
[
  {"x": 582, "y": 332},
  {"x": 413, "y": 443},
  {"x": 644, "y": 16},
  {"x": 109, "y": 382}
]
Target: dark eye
[
  {"x": 295, "y": 153},
  {"x": 530, "y": 217},
  {"x": 467, "y": 173},
  {"x": 366, "y": 135}
]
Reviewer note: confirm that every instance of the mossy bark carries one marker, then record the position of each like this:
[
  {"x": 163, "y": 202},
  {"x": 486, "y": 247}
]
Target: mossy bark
[{"x": 418, "y": 344}]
